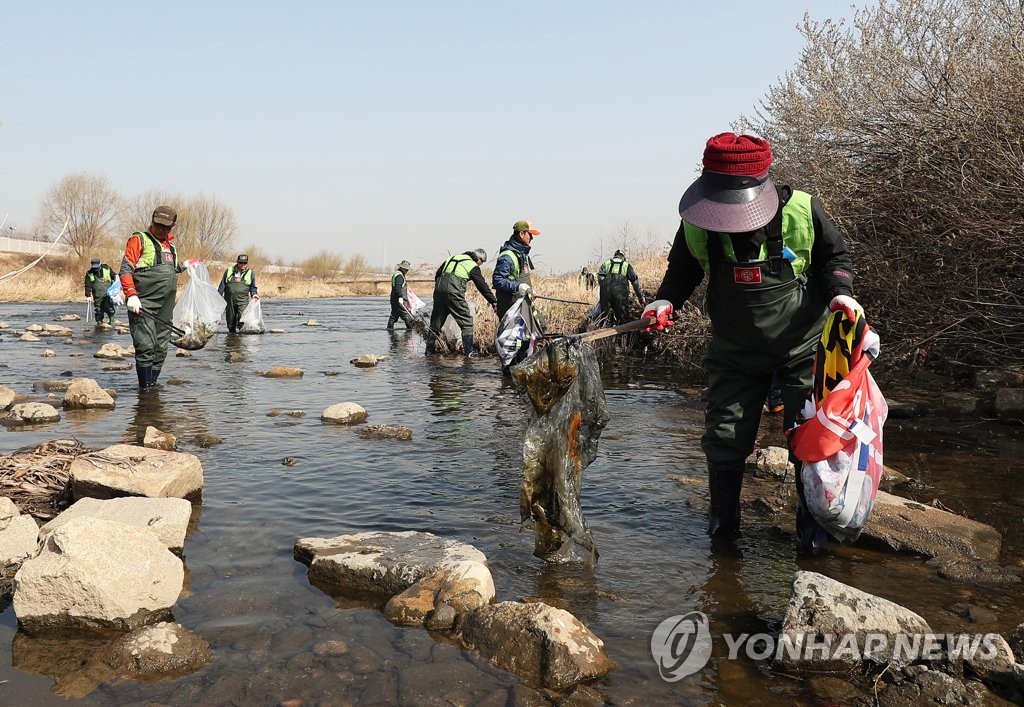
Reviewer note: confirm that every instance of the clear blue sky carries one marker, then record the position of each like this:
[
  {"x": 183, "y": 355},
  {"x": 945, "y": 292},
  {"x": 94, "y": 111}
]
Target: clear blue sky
[{"x": 392, "y": 129}]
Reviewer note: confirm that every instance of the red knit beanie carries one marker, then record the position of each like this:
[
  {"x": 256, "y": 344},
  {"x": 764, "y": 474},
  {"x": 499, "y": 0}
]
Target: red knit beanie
[{"x": 743, "y": 155}]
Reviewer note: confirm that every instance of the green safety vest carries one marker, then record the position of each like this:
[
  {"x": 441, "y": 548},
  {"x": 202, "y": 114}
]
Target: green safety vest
[
  {"x": 397, "y": 273},
  {"x": 460, "y": 266},
  {"x": 246, "y": 277},
  {"x": 797, "y": 235},
  {"x": 150, "y": 249},
  {"x": 615, "y": 268},
  {"x": 516, "y": 267},
  {"x": 106, "y": 275}
]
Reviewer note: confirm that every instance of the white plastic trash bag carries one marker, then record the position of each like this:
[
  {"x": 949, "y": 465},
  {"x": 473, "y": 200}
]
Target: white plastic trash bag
[
  {"x": 518, "y": 333},
  {"x": 415, "y": 303},
  {"x": 450, "y": 331},
  {"x": 198, "y": 310},
  {"x": 252, "y": 318}
]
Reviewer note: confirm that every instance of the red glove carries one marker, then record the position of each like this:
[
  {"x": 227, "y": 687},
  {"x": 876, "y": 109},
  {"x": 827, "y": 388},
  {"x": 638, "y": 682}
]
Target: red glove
[
  {"x": 256, "y": 297},
  {"x": 847, "y": 305},
  {"x": 661, "y": 311}
]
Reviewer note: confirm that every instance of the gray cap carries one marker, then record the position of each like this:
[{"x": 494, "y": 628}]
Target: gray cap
[
  {"x": 243, "y": 258},
  {"x": 404, "y": 265},
  {"x": 165, "y": 216},
  {"x": 95, "y": 262}
]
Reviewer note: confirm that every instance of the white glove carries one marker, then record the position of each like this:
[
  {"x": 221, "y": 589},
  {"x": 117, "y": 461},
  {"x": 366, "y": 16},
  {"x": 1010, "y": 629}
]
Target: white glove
[
  {"x": 401, "y": 302},
  {"x": 88, "y": 298},
  {"x": 661, "y": 311},
  {"x": 524, "y": 289},
  {"x": 848, "y": 305},
  {"x": 134, "y": 304}
]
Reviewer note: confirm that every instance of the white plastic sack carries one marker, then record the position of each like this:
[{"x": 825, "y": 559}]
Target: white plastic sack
[
  {"x": 450, "y": 331},
  {"x": 116, "y": 293},
  {"x": 252, "y": 318},
  {"x": 199, "y": 308}
]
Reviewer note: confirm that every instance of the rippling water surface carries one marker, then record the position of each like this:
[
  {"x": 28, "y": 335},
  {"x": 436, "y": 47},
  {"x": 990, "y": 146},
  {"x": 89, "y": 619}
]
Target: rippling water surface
[{"x": 459, "y": 479}]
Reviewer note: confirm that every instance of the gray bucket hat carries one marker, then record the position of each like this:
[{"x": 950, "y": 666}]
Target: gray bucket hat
[{"x": 404, "y": 265}]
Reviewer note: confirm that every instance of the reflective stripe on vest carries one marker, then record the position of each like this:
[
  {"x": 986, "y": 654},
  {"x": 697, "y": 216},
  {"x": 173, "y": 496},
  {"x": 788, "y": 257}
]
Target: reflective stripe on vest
[
  {"x": 797, "y": 235},
  {"x": 397, "y": 273},
  {"x": 517, "y": 268},
  {"x": 149, "y": 250},
  {"x": 621, "y": 268},
  {"x": 460, "y": 266},
  {"x": 246, "y": 277}
]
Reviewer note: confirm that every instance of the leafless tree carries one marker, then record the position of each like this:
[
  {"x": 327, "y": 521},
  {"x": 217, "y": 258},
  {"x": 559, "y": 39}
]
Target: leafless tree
[
  {"x": 357, "y": 265},
  {"x": 908, "y": 125},
  {"x": 206, "y": 228},
  {"x": 88, "y": 203}
]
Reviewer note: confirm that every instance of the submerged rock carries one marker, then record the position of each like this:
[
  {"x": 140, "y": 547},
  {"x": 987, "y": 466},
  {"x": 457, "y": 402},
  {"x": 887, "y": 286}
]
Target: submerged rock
[
  {"x": 204, "y": 439},
  {"x": 283, "y": 372},
  {"x": 68, "y": 318},
  {"x": 972, "y": 570},
  {"x": 905, "y": 524},
  {"x": 386, "y": 432},
  {"x": 234, "y": 357},
  {"x": 163, "y": 651},
  {"x": 158, "y": 439},
  {"x": 311, "y": 322},
  {"x": 49, "y": 353},
  {"x": 367, "y": 361},
  {"x": 276, "y": 412}
]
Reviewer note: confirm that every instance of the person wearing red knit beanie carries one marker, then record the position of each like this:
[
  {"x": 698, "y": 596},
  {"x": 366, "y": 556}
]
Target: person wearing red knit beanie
[{"x": 775, "y": 264}]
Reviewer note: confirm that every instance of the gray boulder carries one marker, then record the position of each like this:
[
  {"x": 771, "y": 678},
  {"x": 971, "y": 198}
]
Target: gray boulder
[
  {"x": 441, "y": 595},
  {"x": 344, "y": 414},
  {"x": 822, "y": 609},
  {"x": 158, "y": 439},
  {"x": 127, "y": 470},
  {"x": 97, "y": 574},
  {"x": 167, "y": 517},
  {"x": 546, "y": 646},
  {"x": 6, "y": 397},
  {"x": 35, "y": 413},
  {"x": 163, "y": 651},
  {"x": 905, "y": 524}
]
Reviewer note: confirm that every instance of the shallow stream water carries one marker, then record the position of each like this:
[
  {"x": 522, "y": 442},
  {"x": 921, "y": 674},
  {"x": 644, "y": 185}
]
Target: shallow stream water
[{"x": 457, "y": 478}]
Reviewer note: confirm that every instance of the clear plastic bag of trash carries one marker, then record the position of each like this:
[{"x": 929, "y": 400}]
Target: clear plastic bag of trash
[
  {"x": 451, "y": 334},
  {"x": 251, "y": 320},
  {"x": 563, "y": 383},
  {"x": 518, "y": 333},
  {"x": 839, "y": 495},
  {"x": 198, "y": 310}
]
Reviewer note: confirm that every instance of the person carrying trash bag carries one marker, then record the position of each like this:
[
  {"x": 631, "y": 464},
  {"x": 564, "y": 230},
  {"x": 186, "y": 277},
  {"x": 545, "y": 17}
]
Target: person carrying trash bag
[
  {"x": 149, "y": 276},
  {"x": 615, "y": 275},
  {"x": 450, "y": 297},
  {"x": 400, "y": 298},
  {"x": 511, "y": 278},
  {"x": 776, "y": 265},
  {"x": 98, "y": 279},
  {"x": 237, "y": 287}
]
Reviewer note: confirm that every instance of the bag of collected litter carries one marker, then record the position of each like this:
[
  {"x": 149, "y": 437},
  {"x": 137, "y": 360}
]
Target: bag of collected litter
[
  {"x": 198, "y": 310},
  {"x": 518, "y": 332},
  {"x": 838, "y": 437},
  {"x": 116, "y": 293},
  {"x": 415, "y": 303},
  {"x": 451, "y": 334},
  {"x": 563, "y": 382},
  {"x": 252, "y": 318}
]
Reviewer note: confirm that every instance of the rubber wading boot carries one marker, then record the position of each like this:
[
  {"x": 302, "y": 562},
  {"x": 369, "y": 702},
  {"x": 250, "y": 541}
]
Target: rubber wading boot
[
  {"x": 812, "y": 539},
  {"x": 467, "y": 346},
  {"x": 110, "y": 319},
  {"x": 431, "y": 338},
  {"x": 145, "y": 374},
  {"x": 153, "y": 375},
  {"x": 724, "y": 513}
]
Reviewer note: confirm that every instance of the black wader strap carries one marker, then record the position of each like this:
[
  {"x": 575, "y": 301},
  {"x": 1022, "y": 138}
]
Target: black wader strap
[{"x": 774, "y": 232}]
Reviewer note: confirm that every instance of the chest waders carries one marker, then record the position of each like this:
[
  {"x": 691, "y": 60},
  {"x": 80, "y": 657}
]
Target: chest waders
[
  {"x": 236, "y": 294},
  {"x": 156, "y": 285},
  {"x": 615, "y": 291},
  {"x": 450, "y": 298},
  {"x": 102, "y": 305},
  {"x": 519, "y": 274},
  {"x": 764, "y": 317},
  {"x": 399, "y": 311}
]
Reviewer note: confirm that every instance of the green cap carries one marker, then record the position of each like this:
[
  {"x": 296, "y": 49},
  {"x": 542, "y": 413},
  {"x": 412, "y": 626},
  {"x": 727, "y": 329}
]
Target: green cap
[{"x": 526, "y": 226}]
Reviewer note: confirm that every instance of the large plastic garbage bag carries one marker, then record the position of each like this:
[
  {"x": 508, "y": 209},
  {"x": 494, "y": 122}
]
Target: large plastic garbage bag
[
  {"x": 198, "y": 310},
  {"x": 415, "y": 303},
  {"x": 563, "y": 383},
  {"x": 838, "y": 437},
  {"x": 518, "y": 332},
  {"x": 451, "y": 334},
  {"x": 251, "y": 320}
]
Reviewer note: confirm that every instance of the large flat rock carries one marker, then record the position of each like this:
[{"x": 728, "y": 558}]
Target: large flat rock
[
  {"x": 382, "y": 563},
  {"x": 907, "y": 525},
  {"x": 167, "y": 517},
  {"x": 127, "y": 470},
  {"x": 19, "y": 532}
]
